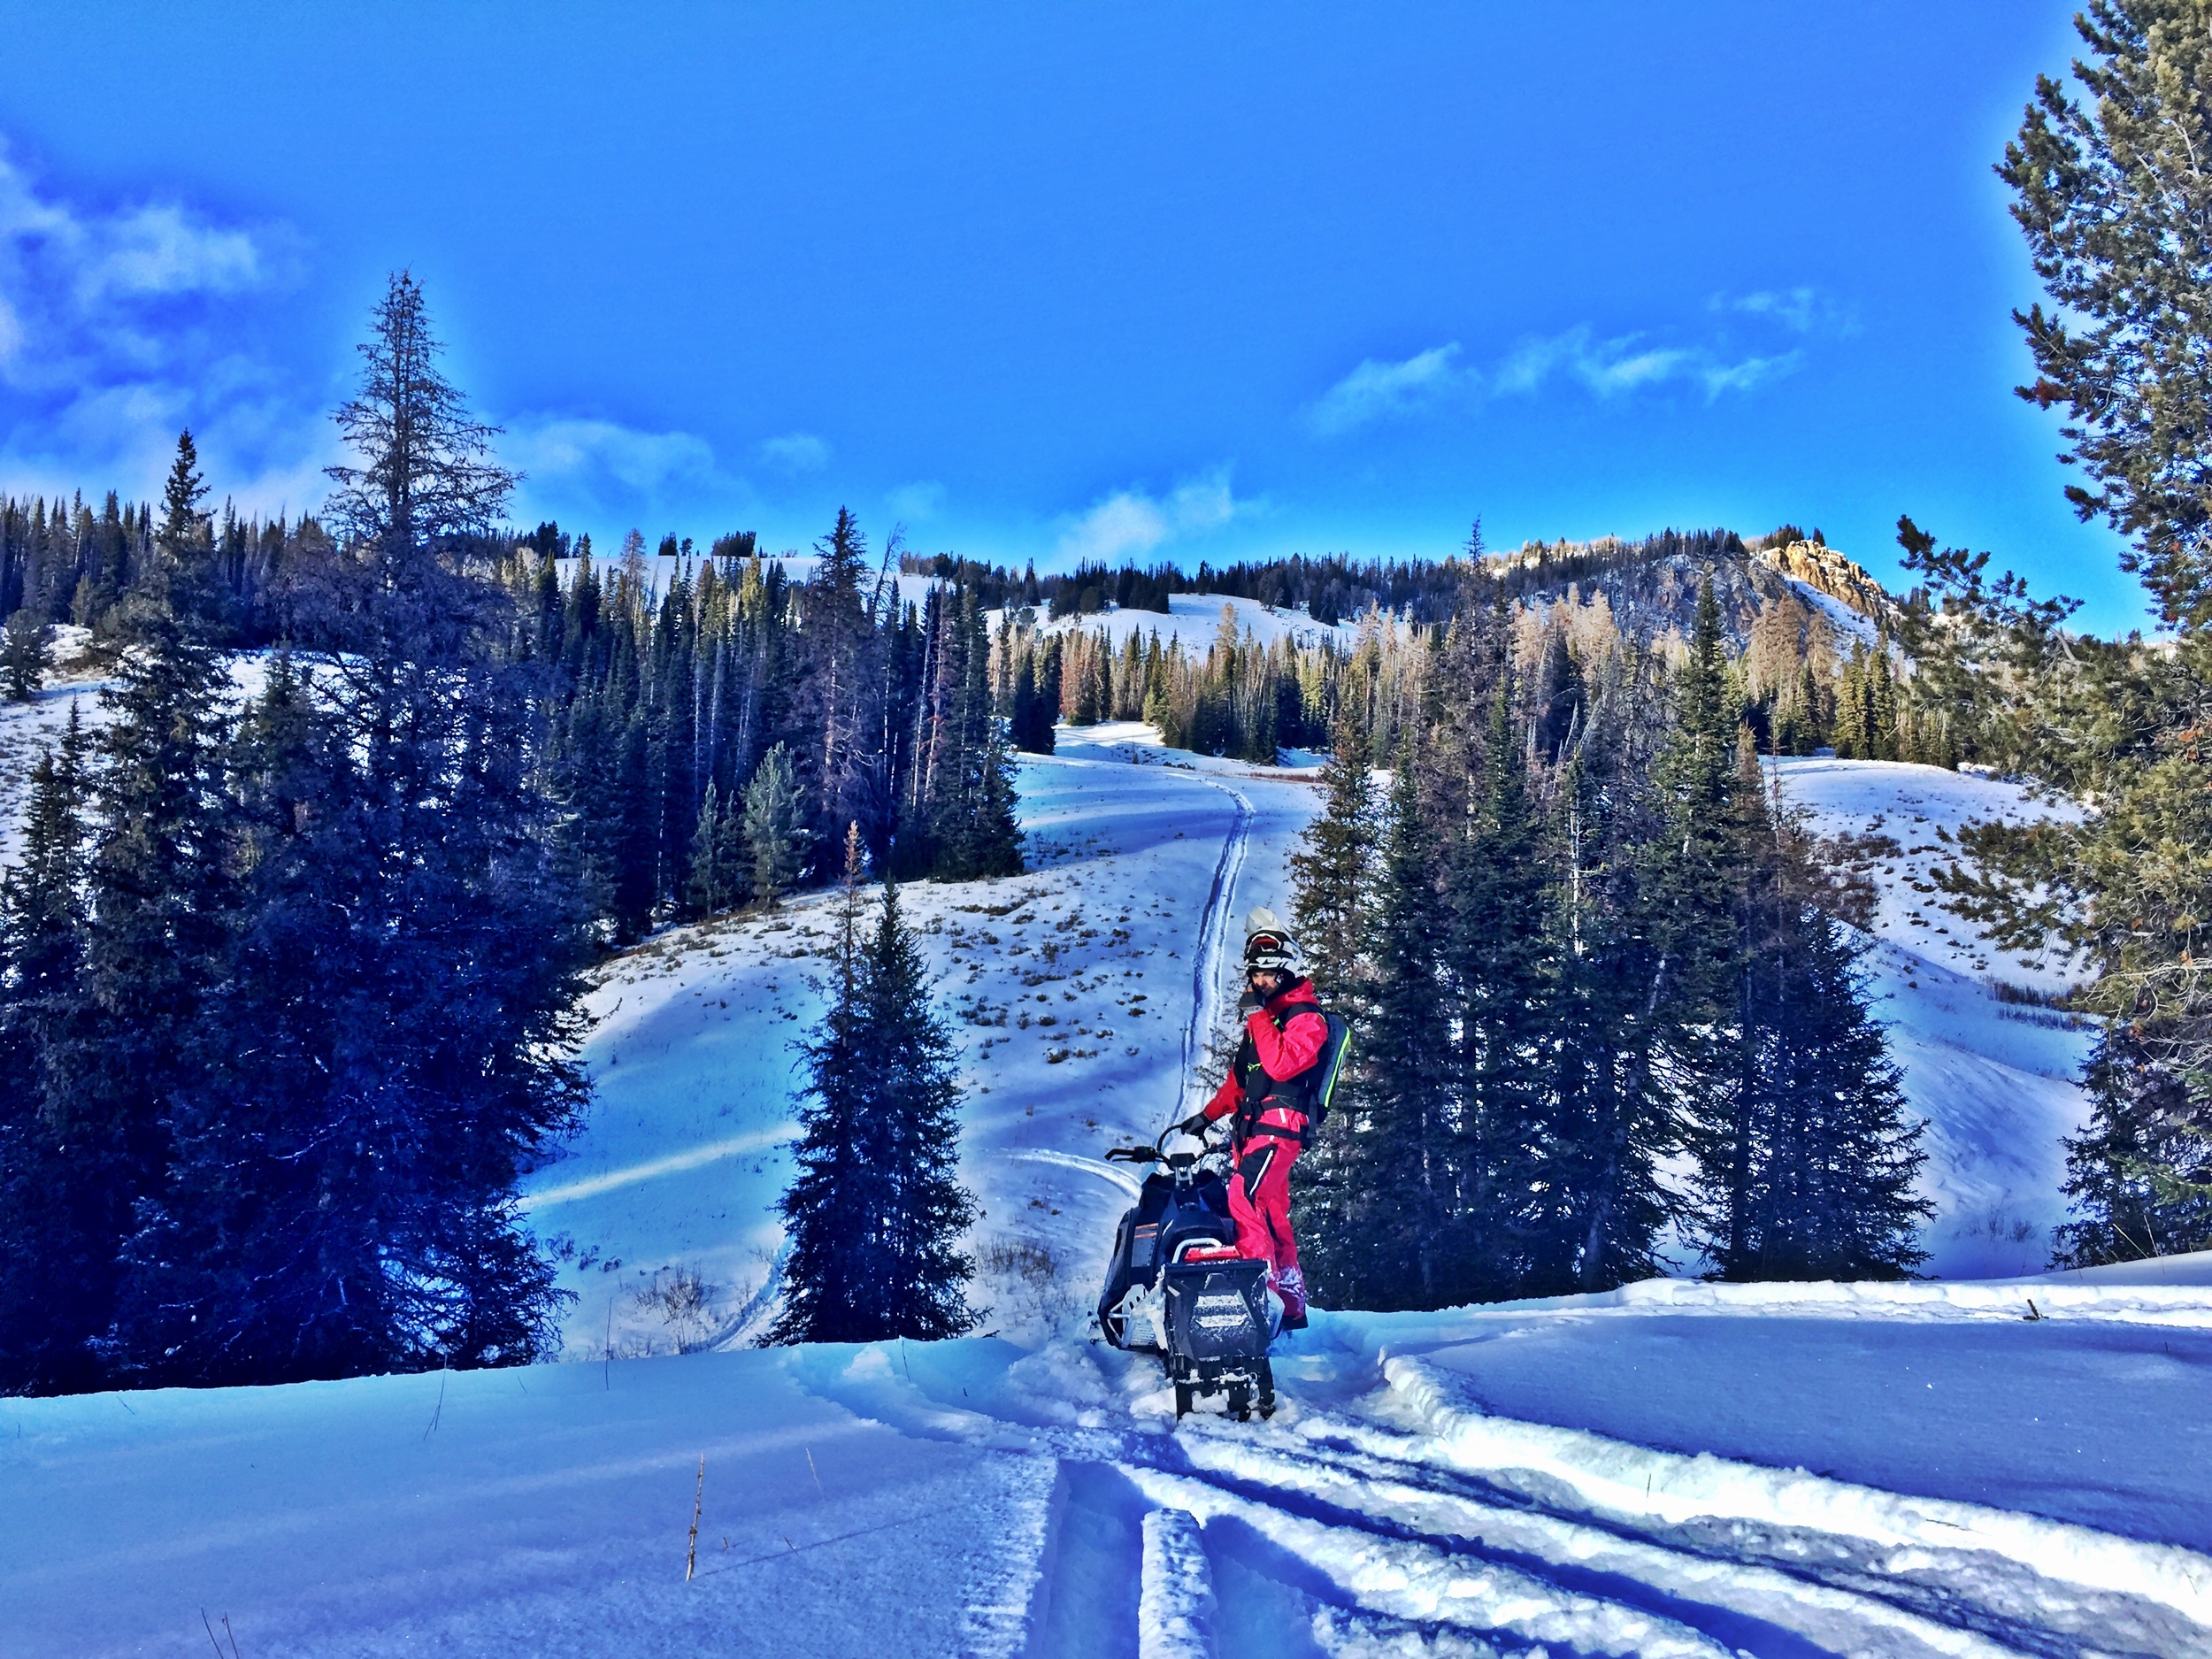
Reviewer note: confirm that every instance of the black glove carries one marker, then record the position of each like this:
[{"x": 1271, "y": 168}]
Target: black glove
[
  {"x": 1250, "y": 1003},
  {"x": 1196, "y": 1125}
]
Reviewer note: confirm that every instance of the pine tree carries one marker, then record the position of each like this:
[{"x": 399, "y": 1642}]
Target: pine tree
[
  {"x": 2140, "y": 1174},
  {"x": 916, "y": 1132},
  {"x": 161, "y": 903},
  {"x": 874, "y": 1210},
  {"x": 398, "y": 1024},
  {"x": 2113, "y": 199},
  {"x": 1613, "y": 1116},
  {"x": 59, "y": 1236},
  {"x": 1385, "y": 1241},
  {"x": 775, "y": 830},
  {"x": 1331, "y": 876},
  {"x": 1497, "y": 961},
  {"x": 971, "y": 820},
  {"x": 1700, "y": 875},
  {"x": 710, "y": 888},
  {"x": 1831, "y": 1193},
  {"x": 23, "y": 649}
]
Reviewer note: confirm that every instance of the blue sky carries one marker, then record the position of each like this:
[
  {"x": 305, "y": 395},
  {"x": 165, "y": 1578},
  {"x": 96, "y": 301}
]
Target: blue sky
[{"x": 1040, "y": 281}]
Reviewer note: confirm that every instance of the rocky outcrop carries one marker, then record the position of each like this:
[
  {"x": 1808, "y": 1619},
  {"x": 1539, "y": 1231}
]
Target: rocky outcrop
[{"x": 1825, "y": 569}]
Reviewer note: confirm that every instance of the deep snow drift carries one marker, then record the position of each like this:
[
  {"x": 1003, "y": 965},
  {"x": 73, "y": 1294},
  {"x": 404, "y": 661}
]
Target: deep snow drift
[{"x": 1959, "y": 1468}]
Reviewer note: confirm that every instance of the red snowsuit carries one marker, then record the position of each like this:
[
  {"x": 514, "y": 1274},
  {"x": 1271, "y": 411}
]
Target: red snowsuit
[{"x": 1281, "y": 1041}]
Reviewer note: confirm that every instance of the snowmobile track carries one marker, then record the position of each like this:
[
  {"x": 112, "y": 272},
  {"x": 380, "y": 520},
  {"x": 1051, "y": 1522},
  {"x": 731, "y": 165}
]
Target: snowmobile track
[
  {"x": 1400, "y": 1547},
  {"x": 1213, "y": 935}
]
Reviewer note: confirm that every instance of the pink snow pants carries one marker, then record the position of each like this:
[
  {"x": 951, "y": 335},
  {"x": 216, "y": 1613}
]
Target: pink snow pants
[{"x": 1259, "y": 1202}]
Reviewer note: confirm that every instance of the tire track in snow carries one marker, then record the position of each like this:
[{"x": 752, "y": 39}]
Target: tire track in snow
[
  {"x": 1383, "y": 1503},
  {"x": 1213, "y": 931},
  {"x": 1075, "y": 1161},
  {"x": 1746, "y": 1600}
]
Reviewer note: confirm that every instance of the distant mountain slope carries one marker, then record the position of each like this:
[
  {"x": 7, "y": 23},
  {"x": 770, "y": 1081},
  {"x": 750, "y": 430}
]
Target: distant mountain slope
[{"x": 1651, "y": 587}]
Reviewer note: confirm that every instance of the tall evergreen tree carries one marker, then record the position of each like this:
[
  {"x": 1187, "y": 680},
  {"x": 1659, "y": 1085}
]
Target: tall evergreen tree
[
  {"x": 1332, "y": 881},
  {"x": 24, "y": 641},
  {"x": 1391, "y": 1245},
  {"x": 875, "y": 1211},
  {"x": 2112, "y": 194},
  {"x": 161, "y": 904},
  {"x": 399, "y": 1022},
  {"x": 1497, "y": 961},
  {"x": 1835, "y": 1157},
  {"x": 775, "y": 826},
  {"x": 59, "y": 1231}
]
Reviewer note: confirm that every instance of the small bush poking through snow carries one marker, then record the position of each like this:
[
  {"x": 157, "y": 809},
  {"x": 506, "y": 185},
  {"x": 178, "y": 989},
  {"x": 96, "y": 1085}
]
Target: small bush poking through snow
[{"x": 685, "y": 1303}]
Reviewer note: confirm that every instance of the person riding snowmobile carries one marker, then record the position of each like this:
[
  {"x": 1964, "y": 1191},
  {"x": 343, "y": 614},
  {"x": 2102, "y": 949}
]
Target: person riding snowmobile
[{"x": 1269, "y": 1090}]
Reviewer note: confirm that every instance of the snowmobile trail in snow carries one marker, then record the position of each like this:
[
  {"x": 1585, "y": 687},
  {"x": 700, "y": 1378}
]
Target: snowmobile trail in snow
[
  {"x": 1075, "y": 1161},
  {"x": 1213, "y": 933},
  {"x": 1395, "y": 1522}
]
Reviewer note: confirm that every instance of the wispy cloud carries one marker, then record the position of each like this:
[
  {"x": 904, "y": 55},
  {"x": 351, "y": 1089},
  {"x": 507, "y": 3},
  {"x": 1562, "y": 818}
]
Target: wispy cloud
[
  {"x": 1796, "y": 308},
  {"x": 796, "y": 452},
  {"x": 119, "y": 324},
  {"x": 1605, "y": 366},
  {"x": 918, "y": 502},
  {"x": 1378, "y": 391},
  {"x": 1130, "y": 523},
  {"x": 603, "y": 467},
  {"x": 1626, "y": 363}
]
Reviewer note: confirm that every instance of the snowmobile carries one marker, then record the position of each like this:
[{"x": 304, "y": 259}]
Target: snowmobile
[{"x": 1176, "y": 1286}]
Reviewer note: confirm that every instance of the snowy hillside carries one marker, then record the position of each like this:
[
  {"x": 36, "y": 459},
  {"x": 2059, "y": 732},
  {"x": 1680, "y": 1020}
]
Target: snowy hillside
[
  {"x": 1072, "y": 989},
  {"x": 1994, "y": 1078},
  {"x": 1196, "y": 620},
  {"x": 28, "y": 729},
  {"x": 1978, "y": 1468}
]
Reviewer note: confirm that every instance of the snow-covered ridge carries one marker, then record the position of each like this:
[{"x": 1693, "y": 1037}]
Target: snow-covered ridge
[{"x": 1194, "y": 621}]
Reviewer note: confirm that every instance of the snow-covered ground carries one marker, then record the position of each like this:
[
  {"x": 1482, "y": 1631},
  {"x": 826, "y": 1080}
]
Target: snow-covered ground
[
  {"x": 28, "y": 730},
  {"x": 1959, "y": 1468},
  {"x": 1995, "y": 1079},
  {"x": 1071, "y": 989},
  {"x": 1768, "y": 1471}
]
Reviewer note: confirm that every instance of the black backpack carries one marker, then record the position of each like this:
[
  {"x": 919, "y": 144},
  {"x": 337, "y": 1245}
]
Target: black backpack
[
  {"x": 1318, "y": 1082},
  {"x": 1327, "y": 1067}
]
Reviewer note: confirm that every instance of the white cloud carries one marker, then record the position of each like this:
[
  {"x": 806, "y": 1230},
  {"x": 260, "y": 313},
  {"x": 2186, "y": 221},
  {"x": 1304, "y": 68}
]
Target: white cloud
[
  {"x": 919, "y": 502},
  {"x": 1386, "y": 391},
  {"x": 119, "y": 324},
  {"x": 1623, "y": 364},
  {"x": 1795, "y": 309},
  {"x": 796, "y": 452},
  {"x": 590, "y": 469},
  {"x": 1606, "y": 368},
  {"x": 1751, "y": 371},
  {"x": 556, "y": 448},
  {"x": 1130, "y": 523}
]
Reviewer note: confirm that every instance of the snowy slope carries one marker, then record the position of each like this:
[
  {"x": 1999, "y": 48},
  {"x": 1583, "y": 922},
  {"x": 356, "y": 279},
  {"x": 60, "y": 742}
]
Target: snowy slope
[
  {"x": 1995, "y": 1080},
  {"x": 1757, "y": 1474},
  {"x": 1670, "y": 1469},
  {"x": 28, "y": 730},
  {"x": 1194, "y": 619},
  {"x": 1072, "y": 990}
]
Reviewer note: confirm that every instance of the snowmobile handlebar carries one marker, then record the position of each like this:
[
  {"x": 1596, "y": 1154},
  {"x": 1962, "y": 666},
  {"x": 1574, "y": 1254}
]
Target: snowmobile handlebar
[{"x": 1158, "y": 1152}]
